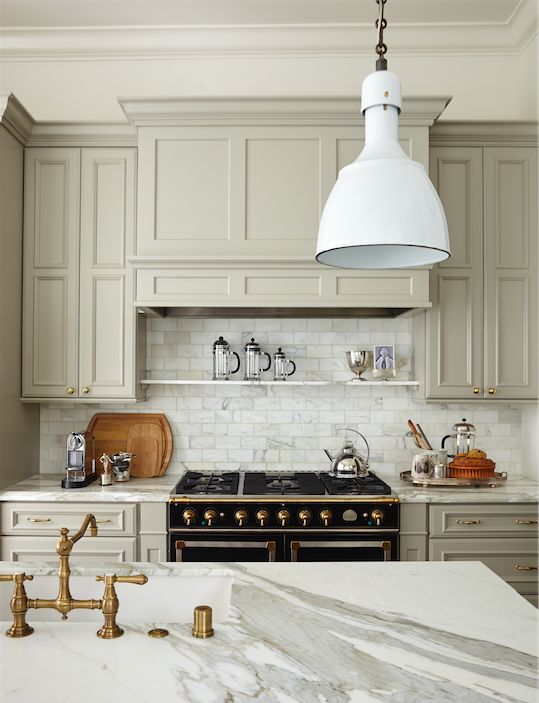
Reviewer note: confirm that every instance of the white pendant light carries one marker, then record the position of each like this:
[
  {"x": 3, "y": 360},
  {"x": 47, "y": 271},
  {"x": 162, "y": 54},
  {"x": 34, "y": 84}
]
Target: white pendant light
[{"x": 383, "y": 211}]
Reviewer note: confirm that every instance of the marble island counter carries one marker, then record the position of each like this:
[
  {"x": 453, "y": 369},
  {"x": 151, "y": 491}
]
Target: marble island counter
[
  {"x": 311, "y": 632},
  {"x": 46, "y": 487}
]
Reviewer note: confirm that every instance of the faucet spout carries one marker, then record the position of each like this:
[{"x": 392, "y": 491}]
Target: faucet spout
[{"x": 88, "y": 520}]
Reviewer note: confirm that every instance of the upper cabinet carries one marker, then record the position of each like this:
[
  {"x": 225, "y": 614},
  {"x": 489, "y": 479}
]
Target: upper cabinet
[
  {"x": 482, "y": 332},
  {"x": 79, "y": 315}
]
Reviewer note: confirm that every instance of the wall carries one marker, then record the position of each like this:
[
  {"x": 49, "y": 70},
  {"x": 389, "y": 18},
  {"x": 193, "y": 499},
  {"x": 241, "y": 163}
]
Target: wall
[
  {"x": 286, "y": 427},
  {"x": 19, "y": 423}
]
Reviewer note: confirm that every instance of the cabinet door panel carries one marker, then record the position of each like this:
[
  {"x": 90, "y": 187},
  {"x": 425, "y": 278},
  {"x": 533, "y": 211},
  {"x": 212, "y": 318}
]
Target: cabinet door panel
[
  {"x": 106, "y": 286},
  {"x": 511, "y": 270},
  {"x": 87, "y": 551},
  {"x": 51, "y": 268},
  {"x": 455, "y": 322}
]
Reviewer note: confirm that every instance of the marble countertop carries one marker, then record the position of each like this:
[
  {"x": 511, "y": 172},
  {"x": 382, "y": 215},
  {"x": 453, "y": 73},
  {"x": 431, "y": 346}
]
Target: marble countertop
[
  {"x": 46, "y": 487},
  {"x": 305, "y": 633}
]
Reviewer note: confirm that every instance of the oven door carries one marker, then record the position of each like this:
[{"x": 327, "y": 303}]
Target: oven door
[
  {"x": 344, "y": 547},
  {"x": 249, "y": 546}
]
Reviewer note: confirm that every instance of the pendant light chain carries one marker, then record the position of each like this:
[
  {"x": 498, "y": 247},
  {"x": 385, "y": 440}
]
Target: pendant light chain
[{"x": 381, "y": 48}]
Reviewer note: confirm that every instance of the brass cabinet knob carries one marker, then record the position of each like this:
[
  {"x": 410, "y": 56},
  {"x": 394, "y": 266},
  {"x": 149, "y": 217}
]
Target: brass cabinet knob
[
  {"x": 189, "y": 516},
  {"x": 492, "y": 391},
  {"x": 262, "y": 516},
  {"x": 476, "y": 390},
  {"x": 240, "y": 516},
  {"x": 70, "y": 390},
  {"x": 325, "y": 517},
  {"x": 85, "y": 390},
  {"x": 378, "y": 516},
  {"x": 210, "y": 516},
  {"x": 283, "y": 516},
  {"x": 304, "y": 517}
]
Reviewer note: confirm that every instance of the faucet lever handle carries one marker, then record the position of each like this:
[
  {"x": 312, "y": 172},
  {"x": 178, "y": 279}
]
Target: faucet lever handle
[
  {"x": 110, "y": 579},
  {"x": 12, "y": 577}
]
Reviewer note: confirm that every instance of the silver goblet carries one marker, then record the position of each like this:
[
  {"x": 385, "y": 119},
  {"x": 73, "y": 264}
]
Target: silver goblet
[{"x": 359, "y": 361}]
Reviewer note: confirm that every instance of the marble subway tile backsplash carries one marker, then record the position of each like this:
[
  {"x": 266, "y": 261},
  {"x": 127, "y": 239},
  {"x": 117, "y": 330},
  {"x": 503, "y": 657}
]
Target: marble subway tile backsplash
[{"x": 283, "y": 426}]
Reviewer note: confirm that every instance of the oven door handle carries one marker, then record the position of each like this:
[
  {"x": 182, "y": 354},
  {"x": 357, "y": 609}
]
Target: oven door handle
[
  {"x": 270, "y": 546},
  {"x": 296, "y": 545}
]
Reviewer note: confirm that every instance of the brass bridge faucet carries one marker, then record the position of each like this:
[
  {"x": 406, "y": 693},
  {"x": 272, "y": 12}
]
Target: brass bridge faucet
[{"x": 64, "y": 602}]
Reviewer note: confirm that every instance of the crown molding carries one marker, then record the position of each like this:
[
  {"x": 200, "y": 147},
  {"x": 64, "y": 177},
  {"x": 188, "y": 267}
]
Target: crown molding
[
  {"x": 280, "y": 40},
  {"x": 308, "y": 110},
  {"x": 83, "y": 134},
  {"x": 15, "y": 118},
  {"x": 463, "y": 133}
]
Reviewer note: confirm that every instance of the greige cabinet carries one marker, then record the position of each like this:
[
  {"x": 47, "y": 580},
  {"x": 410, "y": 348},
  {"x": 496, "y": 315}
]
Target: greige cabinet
[
  {"x": 413, "y": 532},
  {"x": 504, "y": 537},
  {"x": 29, "y": 531},
  {"x": 153, "y": 532},
  {"x": 79, "y": 316},
  {"x": 482, "y": 331}
]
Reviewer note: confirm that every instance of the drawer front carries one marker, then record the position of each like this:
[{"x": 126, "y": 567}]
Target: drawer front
[
  {"x": 482, "y": 520},
  {"x": 515, "y": 560},
  {"x": 86, "y": 551},
  {"x": 113, "y": 519}
]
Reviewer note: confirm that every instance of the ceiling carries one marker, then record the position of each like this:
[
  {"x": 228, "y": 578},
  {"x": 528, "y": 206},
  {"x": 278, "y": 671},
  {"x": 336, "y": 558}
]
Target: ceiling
[
  {"x": 172, "y": 27},
  {"x": 108, "y": 13}
]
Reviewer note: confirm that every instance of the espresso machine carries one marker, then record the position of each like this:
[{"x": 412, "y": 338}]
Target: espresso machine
[{"x": 80, "y": 467}]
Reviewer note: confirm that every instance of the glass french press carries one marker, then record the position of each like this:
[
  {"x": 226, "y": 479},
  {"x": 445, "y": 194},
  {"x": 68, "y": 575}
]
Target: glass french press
[
  {"x": 253, "y": 355},
  {"x": 221, "y": 358}
]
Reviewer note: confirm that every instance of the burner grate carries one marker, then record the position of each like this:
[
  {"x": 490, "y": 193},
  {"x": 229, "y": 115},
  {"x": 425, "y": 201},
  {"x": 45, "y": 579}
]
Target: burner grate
[
  {"x": 282, "y": 483},
  {"x": 199, "y": 483},
  {"x": 366, "y": 486}
]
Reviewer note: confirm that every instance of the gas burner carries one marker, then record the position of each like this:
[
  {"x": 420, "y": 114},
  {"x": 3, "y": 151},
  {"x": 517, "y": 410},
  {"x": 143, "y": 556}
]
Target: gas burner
[
  {"x": 285, "y": 483},
  {"x": 370, "y": 485},
  {"x": 194, "y": 482}
]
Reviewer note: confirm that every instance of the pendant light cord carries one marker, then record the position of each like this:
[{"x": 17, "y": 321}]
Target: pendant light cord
[{"x": 381, "y": 48}]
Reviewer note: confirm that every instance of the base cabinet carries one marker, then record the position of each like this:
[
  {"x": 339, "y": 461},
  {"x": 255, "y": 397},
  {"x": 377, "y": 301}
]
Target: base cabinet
[
  {"x": 153, "y": 532},
  {"x": 413, "y": 532},
  {"x": 503, "y": 537},
  {"x": 87, "y": 551}
]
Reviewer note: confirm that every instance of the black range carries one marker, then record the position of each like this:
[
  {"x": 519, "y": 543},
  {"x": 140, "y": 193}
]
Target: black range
[{"x": 282, "y": 516}]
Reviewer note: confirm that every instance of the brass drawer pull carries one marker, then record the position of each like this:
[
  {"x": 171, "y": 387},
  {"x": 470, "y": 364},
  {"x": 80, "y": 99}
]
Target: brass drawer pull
[
  {"x": 526, "y": 522},
  {"x": 38, "y": 519},
  {"x": 525, "y": 567},
  {"x": 468, "y": 522},
  {"x": 102, "y": 522}
]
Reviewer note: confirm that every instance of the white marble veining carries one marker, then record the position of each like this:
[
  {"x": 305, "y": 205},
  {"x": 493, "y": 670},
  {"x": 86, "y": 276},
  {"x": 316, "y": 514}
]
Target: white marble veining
[
  {"x": 301, "y": 633},
  {"x": 284, "y": 427},
  {"x": 46, "y": 487}
]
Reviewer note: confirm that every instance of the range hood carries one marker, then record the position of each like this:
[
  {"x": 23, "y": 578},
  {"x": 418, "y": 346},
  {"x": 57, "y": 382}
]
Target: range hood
[{"x": 286, "y": 289}]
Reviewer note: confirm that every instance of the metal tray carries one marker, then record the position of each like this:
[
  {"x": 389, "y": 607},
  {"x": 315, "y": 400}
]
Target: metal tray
[{"x": 498, "y": 479}]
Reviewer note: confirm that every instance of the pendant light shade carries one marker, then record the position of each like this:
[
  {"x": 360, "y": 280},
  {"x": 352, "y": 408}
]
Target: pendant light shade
[{"x": 383, "y": 211}]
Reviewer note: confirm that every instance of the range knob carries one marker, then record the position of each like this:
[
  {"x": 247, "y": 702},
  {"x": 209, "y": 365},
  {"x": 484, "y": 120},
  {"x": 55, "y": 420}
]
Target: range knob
[
  {"x": 262, "y": 516},
  {"x": 240, "y": 516},
  {"x": 189, "y": 516},
  {"x": 283, "y": 516},
  {"x": 325, "y": 517},
  {"x": 304, "y": 517},
  {"x": 210, "y": 516},
  {"x": 378, "y": 516}
]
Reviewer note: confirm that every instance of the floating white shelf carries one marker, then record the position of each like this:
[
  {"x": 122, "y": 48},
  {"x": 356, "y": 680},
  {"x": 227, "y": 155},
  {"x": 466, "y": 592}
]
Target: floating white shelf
[{"x": 209, "y": 382}]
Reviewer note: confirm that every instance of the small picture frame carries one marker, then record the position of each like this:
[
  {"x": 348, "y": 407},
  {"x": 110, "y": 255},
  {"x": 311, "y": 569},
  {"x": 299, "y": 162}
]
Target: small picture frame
[{"x": 384, "y": 363}]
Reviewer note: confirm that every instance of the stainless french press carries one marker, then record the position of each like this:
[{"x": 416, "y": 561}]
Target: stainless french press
[
  {"x": 253, "y": 354},
  {"x": 221, "y": 358},
  {"x": 280, "y": 365}
]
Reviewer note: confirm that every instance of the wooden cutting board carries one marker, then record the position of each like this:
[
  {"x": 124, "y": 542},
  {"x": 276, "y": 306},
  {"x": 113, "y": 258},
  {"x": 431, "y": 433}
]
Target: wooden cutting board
[{"x": 148, "y": 435}]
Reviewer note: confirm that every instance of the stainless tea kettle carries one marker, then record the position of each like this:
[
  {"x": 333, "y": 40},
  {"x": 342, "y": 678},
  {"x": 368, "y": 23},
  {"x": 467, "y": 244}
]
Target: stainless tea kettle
[{"x": 348, "y": 463}]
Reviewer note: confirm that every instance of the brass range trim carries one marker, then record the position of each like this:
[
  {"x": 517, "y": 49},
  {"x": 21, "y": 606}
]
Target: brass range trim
[
  {"x": 282, "y": 499},
  {"x": 281, "y": 530}
]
